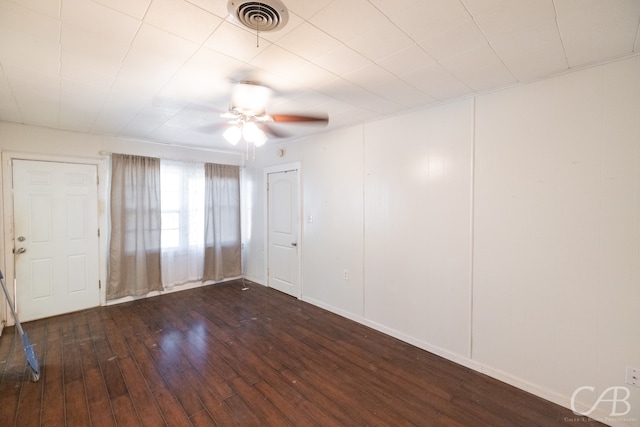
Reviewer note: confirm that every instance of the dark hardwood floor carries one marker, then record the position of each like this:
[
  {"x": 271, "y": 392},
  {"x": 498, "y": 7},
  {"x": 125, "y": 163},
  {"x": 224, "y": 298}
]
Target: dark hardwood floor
[{"x": 218, "y": 356}]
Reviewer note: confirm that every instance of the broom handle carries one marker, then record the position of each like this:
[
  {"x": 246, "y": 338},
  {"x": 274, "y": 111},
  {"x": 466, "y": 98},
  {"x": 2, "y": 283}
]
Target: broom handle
[{"x": 13, "y": 308}]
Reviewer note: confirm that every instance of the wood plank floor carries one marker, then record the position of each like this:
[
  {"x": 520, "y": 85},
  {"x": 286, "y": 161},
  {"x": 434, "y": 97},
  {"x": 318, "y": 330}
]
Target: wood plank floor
[{"x": 220, "y": 356}]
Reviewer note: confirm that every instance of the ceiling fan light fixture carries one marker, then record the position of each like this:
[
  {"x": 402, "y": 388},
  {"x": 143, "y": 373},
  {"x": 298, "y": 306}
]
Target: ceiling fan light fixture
[
  {"x": 260, "y": 142},
  {"x": 233, "y": 134},
  {"x": 250, "y": 120},
  {"x": 253, "y": 134},
  {"x": 250, "y": 98}
]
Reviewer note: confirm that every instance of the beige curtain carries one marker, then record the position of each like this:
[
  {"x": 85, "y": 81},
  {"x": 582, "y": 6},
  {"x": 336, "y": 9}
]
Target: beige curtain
[
  {"x": 134, "y": 253},
  {"x": 222, "y": 222}
]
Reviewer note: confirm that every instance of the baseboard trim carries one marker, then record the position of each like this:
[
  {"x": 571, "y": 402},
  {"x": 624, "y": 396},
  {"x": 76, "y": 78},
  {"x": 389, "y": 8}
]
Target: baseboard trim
[{"x": 177, "y": 288}]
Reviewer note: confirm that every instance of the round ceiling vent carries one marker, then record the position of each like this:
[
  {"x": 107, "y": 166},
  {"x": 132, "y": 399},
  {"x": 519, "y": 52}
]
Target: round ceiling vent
[{"x": 267, "y": 15}]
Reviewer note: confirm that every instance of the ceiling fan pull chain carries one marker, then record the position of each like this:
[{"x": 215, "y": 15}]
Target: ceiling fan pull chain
[{"x": 258, "y": 19}]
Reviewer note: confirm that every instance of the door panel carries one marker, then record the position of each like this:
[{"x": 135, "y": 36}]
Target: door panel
[
  {"x": 55, "y": 213},
  {"x": 283, "y": 232}
]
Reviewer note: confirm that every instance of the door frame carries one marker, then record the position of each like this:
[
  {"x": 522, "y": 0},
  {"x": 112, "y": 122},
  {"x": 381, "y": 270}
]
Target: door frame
[
  {"x": 277, "y": 169},
  {"x": 7, "y": 232}
]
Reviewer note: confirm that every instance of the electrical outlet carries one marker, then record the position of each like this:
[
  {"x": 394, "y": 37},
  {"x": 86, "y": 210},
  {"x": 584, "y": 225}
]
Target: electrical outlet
[
  {"x": 633, "y": 376},
  {"x": 345, "y": 275}
]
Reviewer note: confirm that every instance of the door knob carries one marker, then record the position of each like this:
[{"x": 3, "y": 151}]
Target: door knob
[
  {"x": 294, "y": 244},
  {"x": 20, "y": 250}
]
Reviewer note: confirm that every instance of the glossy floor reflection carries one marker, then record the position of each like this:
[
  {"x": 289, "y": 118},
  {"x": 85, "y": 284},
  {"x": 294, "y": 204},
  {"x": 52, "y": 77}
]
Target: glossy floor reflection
[{"x": 219, "y": 356}]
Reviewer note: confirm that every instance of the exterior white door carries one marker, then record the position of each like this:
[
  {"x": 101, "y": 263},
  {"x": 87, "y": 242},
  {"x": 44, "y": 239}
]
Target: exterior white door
[
  {"x": 282, "y": 271},
  {"x": 55, "y": 216}
]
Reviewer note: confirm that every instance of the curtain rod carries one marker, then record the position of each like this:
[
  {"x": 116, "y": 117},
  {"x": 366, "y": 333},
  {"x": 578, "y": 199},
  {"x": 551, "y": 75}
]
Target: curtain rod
[{"x": 109, "y": 153}]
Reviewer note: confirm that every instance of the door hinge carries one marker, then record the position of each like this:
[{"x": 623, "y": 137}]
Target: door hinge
[
  {"x": 98, "y": 232},
  {"x": 99, "y": 284}
]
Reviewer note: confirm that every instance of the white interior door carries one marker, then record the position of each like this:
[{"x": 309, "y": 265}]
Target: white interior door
[
  {"x": 282, "y": 188},
  {"x": 55, "y": 215}
]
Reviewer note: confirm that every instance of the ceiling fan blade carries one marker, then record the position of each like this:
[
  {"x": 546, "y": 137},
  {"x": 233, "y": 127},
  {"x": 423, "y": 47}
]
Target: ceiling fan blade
[
  {"x": 269, "y": 130},
  {"x": 291, "y": 118}
]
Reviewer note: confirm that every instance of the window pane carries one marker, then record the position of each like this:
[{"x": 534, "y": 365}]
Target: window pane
[
  {"x": 170, "y": 178},
  {"x": 170, "y": 200},
  {"x": 196, "y": 211},
  {"x": 182, "y": 204},
  {"x": 170, "y": 220},
  {"x": 170, "y": 238}
]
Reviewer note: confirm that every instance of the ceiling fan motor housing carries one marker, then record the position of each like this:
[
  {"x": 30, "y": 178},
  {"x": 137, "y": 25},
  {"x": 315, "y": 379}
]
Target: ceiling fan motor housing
[{"x": 263, "y": 16}]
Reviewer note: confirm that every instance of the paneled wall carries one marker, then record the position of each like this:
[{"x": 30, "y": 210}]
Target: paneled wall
[
  {"x": 501, "y": 232},
  {"x": 333, "y": 200},
  {"x": 418, "y": 226},
  {"x": 556, "y": 245}
]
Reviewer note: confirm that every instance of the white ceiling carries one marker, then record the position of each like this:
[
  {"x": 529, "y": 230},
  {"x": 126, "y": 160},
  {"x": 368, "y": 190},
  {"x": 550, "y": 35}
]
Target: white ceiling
[{"x": 162, "y": 70}]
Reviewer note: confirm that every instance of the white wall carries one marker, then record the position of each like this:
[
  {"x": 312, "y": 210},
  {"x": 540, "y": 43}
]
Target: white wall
[
  {"x": 417, "y": 226},
  {"x": 502, "y": 232},
  {"x": 334, "y": 241},
  {"x": 37, "y": 140},
  {"x": 557, "y": 214}
]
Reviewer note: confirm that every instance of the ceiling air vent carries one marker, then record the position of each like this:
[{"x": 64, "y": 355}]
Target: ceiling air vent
[{"x": 267, "y": 15}]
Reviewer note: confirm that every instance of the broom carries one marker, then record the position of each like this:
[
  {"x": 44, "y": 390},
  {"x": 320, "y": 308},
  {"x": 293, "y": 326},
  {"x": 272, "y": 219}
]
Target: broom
[{"x": 32, "y": 360}]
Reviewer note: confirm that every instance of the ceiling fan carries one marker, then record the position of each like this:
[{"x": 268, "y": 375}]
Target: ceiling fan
[{"x": 248, "y": 117}]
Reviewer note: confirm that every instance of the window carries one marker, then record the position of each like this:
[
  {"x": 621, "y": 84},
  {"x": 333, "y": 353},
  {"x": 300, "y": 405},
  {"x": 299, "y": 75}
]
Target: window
[
  {"x": 163, "y": 204},
  {"x": 182, "y": 206}
]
